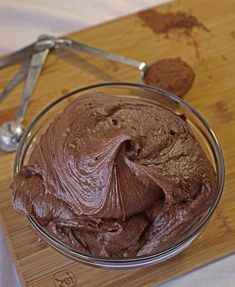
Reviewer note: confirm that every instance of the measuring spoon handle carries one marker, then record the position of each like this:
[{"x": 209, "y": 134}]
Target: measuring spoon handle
[
  {"x": 19, "y": 76},
  {"x": 77, "y": 46},
  {"x": 35, "y": 68}
]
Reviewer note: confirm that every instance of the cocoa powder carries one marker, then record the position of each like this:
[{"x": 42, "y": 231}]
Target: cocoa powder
[
  {"x": 173, "y": 75},
  {"x": 163, "y": 23}
]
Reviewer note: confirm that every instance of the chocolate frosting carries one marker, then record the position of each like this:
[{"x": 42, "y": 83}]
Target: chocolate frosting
[{"x": 116, "y": 177}]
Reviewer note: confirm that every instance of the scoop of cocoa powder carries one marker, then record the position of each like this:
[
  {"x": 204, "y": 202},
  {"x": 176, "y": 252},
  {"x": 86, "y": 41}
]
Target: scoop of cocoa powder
[{"x": 173, "y": 75}]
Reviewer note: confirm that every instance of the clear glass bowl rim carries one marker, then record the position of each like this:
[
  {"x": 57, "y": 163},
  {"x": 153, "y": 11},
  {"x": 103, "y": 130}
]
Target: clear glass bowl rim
[{"x": 173, "y": 249}]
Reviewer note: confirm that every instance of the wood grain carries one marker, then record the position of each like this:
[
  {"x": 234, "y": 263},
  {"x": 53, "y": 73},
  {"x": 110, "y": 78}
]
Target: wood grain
[{"x": 213, "y": 94}]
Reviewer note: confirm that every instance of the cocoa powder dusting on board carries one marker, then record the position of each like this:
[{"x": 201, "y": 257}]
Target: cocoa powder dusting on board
[
  {"x": 163, "y": 23},
  {"x": 173, "y": 75},
  {"x": 166, "y": 24}
]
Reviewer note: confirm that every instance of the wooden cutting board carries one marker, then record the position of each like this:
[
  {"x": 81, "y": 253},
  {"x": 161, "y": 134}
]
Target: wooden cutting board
[{"x": 212, "y": 56}]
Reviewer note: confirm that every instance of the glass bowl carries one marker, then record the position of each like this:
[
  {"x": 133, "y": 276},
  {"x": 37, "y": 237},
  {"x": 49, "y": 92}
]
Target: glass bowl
[{"x": 200, "y": 127}]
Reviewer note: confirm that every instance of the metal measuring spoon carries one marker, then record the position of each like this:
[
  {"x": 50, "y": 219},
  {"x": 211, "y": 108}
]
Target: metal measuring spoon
[
  {"x": 12, "y": 131},
  {"x": 172, "y": 74}
]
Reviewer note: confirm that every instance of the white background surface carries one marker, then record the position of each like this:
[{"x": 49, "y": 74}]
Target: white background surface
[{"x": 21, "y": 21}]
